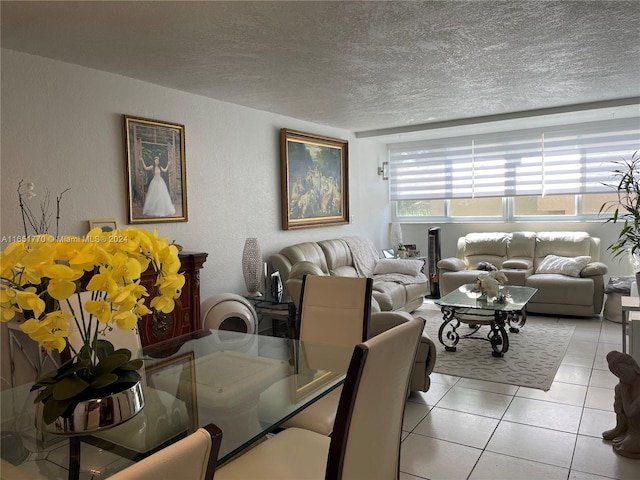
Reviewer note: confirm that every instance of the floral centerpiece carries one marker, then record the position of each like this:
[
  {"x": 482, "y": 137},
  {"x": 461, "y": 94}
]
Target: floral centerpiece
[
  {"x": 489, "y": 282},
  {"x": 40, "y": 273}
]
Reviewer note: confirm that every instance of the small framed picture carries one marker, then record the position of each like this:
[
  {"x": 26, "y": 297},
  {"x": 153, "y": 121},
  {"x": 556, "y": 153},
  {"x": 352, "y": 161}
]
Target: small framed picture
[
  {"x": 106, "y": 224},
  {"x": 156, "y": 171}
]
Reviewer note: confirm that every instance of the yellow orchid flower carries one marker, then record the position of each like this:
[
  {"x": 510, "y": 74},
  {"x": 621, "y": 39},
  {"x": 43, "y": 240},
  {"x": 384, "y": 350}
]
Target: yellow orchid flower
[
  {"x": 99, "y": 308},
  {"x": 61, "y": 280},
  {"x": 103, "y": 282},
  {"x": 170, "y": 285},
  {"x": 163, "y": 304},
  {"x": 27, "y": 299},
  {"x": 125, "y": 320}
]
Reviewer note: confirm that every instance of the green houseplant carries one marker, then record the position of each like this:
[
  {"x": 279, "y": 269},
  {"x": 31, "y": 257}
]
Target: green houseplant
[
  {"x": 625, "y": 209},
  {"x": 40, "y": 273}
]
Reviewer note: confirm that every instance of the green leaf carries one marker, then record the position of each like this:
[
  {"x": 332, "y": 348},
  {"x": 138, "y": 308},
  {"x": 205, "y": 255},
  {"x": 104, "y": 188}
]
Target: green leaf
[
  {"x": 54, "y": 408},
  {"x": 128, "y": 376},
  {"x": 109, "y": 364},
  {"x": 44, "y": 394},
  {"x": 123, "y": 351},
  {"x": 104, "y": 380},
  {"x": 69, "y": 387},
  {"x": 103, "y": 349},
  {"x": 135, "y": 364},
  {"x": 80, "y": 365}
]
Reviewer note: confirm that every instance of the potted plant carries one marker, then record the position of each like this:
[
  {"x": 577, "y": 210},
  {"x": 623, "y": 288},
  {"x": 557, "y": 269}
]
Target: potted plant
[
  {"x": 402, "y": 251},
  {"x": 99, "y": 274},
  {"x": 626, "y": 210}
]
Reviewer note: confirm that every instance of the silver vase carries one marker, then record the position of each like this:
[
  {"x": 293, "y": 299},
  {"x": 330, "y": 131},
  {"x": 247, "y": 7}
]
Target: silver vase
[
  {"x": 252, "y": 266},
  {"x": 96, "y": 414}
]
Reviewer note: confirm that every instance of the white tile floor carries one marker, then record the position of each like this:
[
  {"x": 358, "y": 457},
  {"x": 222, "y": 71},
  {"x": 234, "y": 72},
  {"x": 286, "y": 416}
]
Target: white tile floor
[{"x": 468, "y": 429}]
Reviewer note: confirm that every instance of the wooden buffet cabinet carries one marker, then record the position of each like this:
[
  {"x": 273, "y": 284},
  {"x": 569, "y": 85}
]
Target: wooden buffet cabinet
[{"x": 185, "y": 317}]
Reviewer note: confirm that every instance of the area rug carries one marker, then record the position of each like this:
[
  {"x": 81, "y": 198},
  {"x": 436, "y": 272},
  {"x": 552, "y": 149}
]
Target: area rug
[{"x": 533, "y": 358}]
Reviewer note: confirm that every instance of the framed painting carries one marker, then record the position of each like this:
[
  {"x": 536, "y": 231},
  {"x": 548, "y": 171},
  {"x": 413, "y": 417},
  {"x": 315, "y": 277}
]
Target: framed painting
[
  {"x": 156, "y": 172},
  {"x": 105, "y": 224},
  {"x": 315, "y": 180}
]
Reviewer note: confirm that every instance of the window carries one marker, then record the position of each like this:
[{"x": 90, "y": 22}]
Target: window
[{"x": 550, "y": 173}]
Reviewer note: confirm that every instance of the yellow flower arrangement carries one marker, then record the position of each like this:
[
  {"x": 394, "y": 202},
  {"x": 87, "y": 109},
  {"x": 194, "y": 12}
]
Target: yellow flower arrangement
[{"x": 39, "y": 273}]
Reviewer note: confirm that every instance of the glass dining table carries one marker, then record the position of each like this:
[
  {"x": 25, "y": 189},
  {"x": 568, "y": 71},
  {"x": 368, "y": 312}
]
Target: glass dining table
[{"x": 248, "y": 385}]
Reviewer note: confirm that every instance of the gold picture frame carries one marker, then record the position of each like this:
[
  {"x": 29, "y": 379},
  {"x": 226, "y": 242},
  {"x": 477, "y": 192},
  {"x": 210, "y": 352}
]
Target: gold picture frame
[
  {"x": 156, "y": 171},
  {"x": 314, "y": 180},
  {"x": 178, "y": 372},
  {"x": 105, "y": 224}
]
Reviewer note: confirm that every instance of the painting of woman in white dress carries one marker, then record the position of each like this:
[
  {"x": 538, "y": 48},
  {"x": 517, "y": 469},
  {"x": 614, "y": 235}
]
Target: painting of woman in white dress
[
  {"x": 157, "y": 202},
  {"x": 156, "y": 174}
]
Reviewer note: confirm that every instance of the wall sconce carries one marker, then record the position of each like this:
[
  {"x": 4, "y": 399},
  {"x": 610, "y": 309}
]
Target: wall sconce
[{"x": 383, "y": 171}]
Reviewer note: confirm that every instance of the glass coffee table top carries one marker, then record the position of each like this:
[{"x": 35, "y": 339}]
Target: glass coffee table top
[{"x": 465, "y": 305}]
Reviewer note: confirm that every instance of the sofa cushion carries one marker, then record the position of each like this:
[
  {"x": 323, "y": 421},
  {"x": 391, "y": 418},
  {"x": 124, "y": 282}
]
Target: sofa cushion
[
  {"x": 337, "y": 254},
  {"x": 561, "y": 289},
  {"x": 522, "y": 244},
  {"x": 390, "y": 295},
  {"x": 486, "y": 244},
  {"x": 398, "y": 265},
  {"x": 568, "y": 244},
  {"x": 571, "y": 266}
]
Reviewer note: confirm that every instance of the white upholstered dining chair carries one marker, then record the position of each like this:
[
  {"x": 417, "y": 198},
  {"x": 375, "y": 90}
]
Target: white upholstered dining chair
[
  {"x": 368, "y": 427},
  {"x": 192, "y": 458},
  {"x": 336, "y": 311}
]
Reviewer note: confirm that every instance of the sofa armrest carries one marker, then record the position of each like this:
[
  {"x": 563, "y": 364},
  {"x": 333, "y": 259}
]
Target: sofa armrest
[
  {"x": 425, "y": 356},
  {"x": 594, "y": 269},
  {"x": 517, "y": 264},
  {"x": 452, "y": 264}
]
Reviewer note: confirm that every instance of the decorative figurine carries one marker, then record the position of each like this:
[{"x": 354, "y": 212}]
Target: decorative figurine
[{"x": 625, "y": 436}]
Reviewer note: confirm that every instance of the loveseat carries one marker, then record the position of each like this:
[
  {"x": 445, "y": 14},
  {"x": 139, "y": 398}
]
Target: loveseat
[
  {"x": 398, "y": 284},
  {"x": 565, "y": 267}
]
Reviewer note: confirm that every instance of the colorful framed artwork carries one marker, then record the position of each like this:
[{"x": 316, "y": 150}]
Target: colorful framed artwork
[
  {"x": 156, "y": 171},
  {"x": 105, "y": 224},
  {"x": 315, "y": 180}
]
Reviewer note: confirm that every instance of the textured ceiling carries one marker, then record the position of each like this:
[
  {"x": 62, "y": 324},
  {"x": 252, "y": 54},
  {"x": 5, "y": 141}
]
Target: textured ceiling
[{"x": 358, "y": 66}]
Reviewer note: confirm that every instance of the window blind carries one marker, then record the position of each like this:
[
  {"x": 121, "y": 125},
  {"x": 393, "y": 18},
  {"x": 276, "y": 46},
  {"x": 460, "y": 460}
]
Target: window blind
[{"x": 571, "y": 159}]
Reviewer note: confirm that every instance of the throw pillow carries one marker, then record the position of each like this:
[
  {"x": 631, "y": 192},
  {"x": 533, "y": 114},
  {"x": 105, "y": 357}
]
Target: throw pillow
[
  {"x": 571, "y": 266},
  {"x": 398, "y": 265}
]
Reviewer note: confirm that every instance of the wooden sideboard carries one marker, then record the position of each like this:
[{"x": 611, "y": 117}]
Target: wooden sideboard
[{"x": 185, "y": 317}]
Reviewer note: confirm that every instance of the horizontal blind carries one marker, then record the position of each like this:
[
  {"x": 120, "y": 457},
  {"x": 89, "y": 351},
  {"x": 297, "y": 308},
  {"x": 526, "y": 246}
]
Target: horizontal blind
[{"x": 560, "y": 160}]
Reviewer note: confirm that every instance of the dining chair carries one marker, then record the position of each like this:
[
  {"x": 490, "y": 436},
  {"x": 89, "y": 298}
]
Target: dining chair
[
  {"x": 368, "y": 426},
  {"x": 164, "y": 416},
  {"x": 193, "y": 458},
  {"x": 336, "y": 311}
]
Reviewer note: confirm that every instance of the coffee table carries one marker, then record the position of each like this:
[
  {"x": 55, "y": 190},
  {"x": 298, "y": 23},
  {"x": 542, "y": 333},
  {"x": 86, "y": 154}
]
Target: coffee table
[{"x": 465, "y": 305}]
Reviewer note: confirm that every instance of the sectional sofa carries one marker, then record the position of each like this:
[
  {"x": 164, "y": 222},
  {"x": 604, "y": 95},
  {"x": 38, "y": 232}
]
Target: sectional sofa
[
  {"x": 565, "y": 267},
  {"x": 398, "y": 284}
]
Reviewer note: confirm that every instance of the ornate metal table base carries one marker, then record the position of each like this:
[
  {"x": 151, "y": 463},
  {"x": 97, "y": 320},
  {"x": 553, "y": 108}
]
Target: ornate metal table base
[{"x": 497, "y": 320}]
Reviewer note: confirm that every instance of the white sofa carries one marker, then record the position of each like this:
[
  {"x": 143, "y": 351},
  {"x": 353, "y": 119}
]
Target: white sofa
[
  {"x": 548, "y": 261},
  {"x": 397, "y": 284}
]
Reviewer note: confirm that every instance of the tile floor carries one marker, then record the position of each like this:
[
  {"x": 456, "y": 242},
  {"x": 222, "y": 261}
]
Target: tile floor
[{"x": 469, "y": 429}]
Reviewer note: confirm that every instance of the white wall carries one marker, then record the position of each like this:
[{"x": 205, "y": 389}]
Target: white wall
[{"x": 62, "y": 127}]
